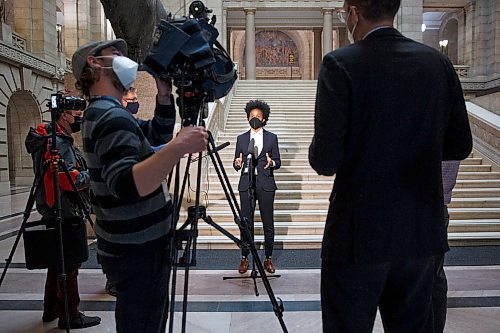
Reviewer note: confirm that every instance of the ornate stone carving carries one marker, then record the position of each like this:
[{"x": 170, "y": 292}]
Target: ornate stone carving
[{"x": 26, "y": 59}]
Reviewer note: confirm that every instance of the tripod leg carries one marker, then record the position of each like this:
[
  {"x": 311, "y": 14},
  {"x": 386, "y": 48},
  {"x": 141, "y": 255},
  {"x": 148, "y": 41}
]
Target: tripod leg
[
  {"x": 26, "y": 215},
  {"x": 58, "y": 210}
]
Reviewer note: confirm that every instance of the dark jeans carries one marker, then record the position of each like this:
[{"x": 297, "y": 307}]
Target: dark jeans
[
  {"x": 266, "y": 207},
  {"x": 351, "y": 293},
  {"x": 53, "y": 299},
  {"x": 141, "y": 279},
  {"x": 440, "y": 288}
]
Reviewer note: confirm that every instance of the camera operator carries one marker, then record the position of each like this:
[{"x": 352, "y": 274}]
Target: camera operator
[
  {"x": 267, "y": 159},
  {"x": 133, "y": 214},
  {"x": 37, "y": 144}
]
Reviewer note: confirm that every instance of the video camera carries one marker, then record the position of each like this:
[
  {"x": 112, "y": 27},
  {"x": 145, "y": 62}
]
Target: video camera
[
  {"x": 59, "y": 102},
  {"x": 184, "y": 50}
]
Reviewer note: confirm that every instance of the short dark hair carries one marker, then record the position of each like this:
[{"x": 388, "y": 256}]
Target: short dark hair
[
  {"x": 261, "y": 105},
  {"x": 376, "y": 10}
]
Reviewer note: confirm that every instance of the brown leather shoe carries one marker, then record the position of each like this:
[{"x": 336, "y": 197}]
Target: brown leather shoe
[
  {"x": 268, "y": 265},
  {"x": 243, "y": 266}
]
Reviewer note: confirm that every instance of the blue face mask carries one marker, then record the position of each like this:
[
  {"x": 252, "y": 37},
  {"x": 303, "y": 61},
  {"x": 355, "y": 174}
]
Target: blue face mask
[{"x": 132, "y": 107}]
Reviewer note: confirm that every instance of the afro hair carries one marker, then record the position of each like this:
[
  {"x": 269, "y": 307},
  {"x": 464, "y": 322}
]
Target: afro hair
[{"x": 261, "y": 105}]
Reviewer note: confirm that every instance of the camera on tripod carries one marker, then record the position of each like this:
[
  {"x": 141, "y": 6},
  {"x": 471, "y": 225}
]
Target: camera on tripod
[
  {"x": 184, "y": 50},
  {"x": 59, "y": 102}
]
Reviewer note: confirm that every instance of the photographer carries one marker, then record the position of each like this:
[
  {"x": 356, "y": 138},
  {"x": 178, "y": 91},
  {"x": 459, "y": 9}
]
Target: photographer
[
  {"x": 134, "y": 216},
  {"x": 37, "y": 144},
  {"x": 267, "y": 159}
]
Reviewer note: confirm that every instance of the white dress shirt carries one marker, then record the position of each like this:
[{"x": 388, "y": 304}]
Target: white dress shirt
[{"x": 258, "y": 139}]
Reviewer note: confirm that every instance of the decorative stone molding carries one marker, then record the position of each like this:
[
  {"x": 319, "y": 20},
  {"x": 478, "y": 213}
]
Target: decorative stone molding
[
  {"x": 26, "y": 59},
  {"x": 486, "y": 138},
  {"x": 18, "y": 42},
  {"x": 462, "y": 70},
  {"x": 471, "y": 85}
]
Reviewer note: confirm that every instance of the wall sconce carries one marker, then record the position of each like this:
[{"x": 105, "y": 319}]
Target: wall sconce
[{"x": 443, "y": 46}]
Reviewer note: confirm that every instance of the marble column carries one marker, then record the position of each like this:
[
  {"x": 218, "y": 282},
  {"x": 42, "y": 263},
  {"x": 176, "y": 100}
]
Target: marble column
[
  {"x": 223, "y": 38},
  {"x": 327, "y": 30},
  {"x": 317, "y": 51},
  {"x": 250, "y": 43}
]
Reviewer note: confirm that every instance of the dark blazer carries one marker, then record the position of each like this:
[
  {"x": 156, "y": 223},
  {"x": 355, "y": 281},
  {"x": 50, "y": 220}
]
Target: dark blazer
[
  {"x": 388, "y": 111},
  {"x": 265, "y": 177}
]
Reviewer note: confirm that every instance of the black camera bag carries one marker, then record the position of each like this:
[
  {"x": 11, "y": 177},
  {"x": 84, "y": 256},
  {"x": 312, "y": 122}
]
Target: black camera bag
[{"x": 41, "y": 243}]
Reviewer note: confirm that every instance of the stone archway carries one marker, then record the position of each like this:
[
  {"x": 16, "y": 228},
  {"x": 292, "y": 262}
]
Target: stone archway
[
  {"x": 450, "y": 33},
  {"x": 23, "y": 112}
]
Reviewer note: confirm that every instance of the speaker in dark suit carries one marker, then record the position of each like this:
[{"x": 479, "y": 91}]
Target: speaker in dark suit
[
  {"x": 388, "y": 110},
  {"x": 264, "y": 155}
]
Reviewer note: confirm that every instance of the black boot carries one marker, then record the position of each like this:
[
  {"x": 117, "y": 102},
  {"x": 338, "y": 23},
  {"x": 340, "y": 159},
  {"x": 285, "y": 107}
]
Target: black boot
[{"x": 80, "y": 321}]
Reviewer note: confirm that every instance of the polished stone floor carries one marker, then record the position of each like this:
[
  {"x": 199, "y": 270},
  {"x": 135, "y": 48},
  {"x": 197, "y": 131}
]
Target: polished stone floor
[{"x": 219, "y": 306}]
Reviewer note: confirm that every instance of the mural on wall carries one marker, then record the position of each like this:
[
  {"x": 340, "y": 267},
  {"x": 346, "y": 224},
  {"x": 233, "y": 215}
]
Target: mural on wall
[{"x": 272, "y": 48}]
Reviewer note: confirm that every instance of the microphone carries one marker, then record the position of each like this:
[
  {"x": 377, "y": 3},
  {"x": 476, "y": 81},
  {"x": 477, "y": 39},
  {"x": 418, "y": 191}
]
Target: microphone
[
  {"x": 251, "y": 151},
  {"x": 210, "y": 152}
]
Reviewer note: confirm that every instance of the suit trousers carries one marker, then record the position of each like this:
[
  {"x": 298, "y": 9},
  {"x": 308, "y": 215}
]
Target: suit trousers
[
  {"x": 266, "y": 207},
  {"x": 440, "y": 288},
  {"x": 402, "y": 290}
]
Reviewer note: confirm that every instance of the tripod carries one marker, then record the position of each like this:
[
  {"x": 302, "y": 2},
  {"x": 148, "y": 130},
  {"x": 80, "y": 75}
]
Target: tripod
[
  {"x": 183, "y": 236},
  {"x": 54, "y": 163},
  {"x": 251, "y": 171}
]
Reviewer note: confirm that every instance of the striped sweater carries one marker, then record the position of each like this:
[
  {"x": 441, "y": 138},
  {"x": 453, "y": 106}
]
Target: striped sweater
[{"x": 114, "y": 141}]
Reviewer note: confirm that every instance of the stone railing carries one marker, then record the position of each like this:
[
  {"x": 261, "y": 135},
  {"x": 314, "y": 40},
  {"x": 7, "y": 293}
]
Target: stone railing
[
  {"x": 485, "y": 128},
  {"x": 18, "y": 42},
  {"x": 275, "y": 73},
  {"x": 462, "y": 70}
]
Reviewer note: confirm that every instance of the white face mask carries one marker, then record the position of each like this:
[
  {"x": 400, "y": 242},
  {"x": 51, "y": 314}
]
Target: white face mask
[
  {"x": 124, "y": 68},
  {"x": 350, "y": 35}
]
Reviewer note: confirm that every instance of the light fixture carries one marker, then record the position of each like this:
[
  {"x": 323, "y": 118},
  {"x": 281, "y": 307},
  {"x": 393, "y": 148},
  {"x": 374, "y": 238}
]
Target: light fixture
[
  {"x": 443, "y": 46},
  {"x": 423, "y": 27}
]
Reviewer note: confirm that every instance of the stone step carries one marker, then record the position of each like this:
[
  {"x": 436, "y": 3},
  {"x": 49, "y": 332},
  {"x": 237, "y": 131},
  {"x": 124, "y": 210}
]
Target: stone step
[
  {"x": 315, "y": 215},
  {"x": 293, "y": 159},
  {"x": 321, "y": 203},
  {"x": 317, "y": 228},
  {"x": 475, "y": 192},
  {"x": 327, "y": 185},
  {"x": 325, "y": 193},
  {"x": 306, "y": 168},
  {"x": 288, "y": 157},
  {"x": 314, "y": 241}
]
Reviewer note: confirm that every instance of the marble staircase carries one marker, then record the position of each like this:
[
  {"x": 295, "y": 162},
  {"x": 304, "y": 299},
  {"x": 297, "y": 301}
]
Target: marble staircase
[{"x": 302, "y": 198}]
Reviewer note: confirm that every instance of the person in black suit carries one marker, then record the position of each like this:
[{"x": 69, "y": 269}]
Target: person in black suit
[
  {"x": 266, "y": 159},
  {"x": 388, "y": 110}
]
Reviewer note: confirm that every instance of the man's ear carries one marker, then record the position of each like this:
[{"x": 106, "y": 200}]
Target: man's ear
[{"x": 92, "y": 62}]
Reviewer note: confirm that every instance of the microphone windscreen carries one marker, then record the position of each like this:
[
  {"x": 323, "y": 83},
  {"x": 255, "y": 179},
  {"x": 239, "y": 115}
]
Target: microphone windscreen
[{"x": 251, "y": 146}]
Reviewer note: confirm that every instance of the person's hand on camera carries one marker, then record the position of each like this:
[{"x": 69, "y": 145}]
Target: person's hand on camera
[
  {"x": 164, "y": 86},
  {"x": 238, "y": 161},
  {"x": 192, "y": 139}
]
